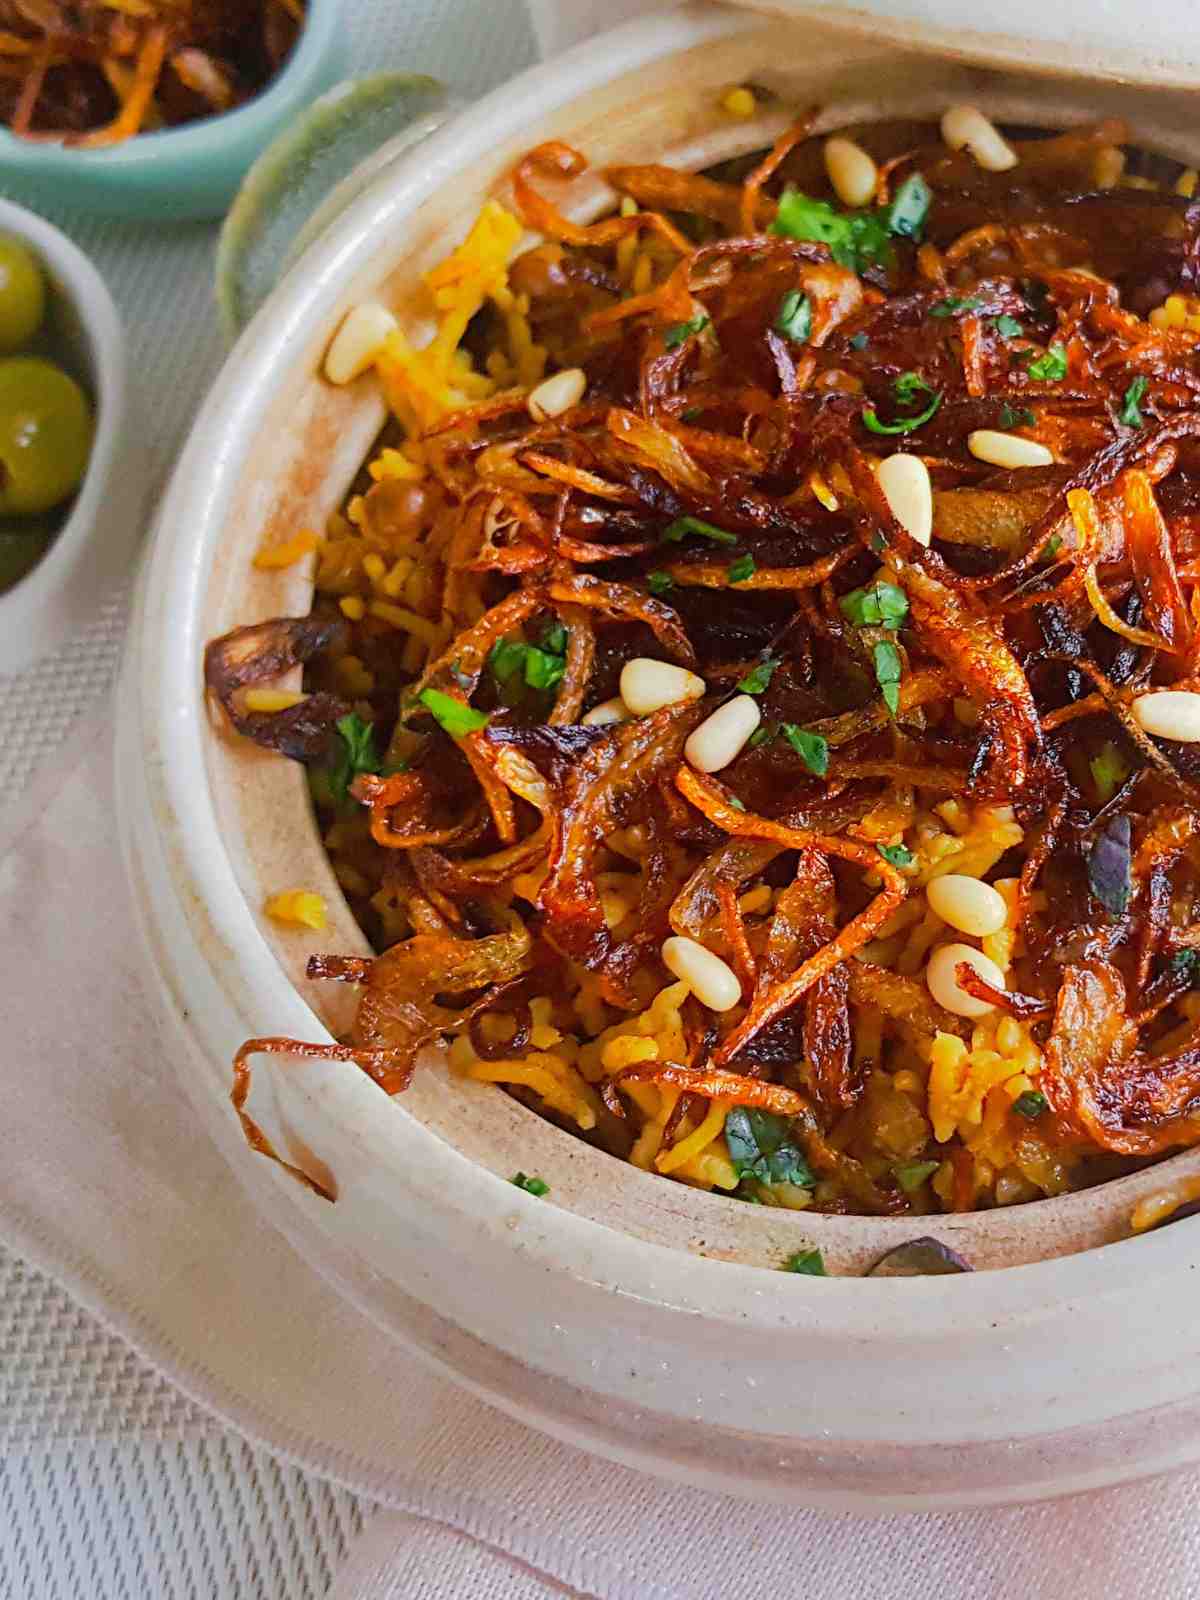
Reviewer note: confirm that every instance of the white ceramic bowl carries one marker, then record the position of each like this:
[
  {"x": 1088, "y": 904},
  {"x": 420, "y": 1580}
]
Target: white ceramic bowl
[
  {"x": 94, "y": 547},
  {"x": 636, "y": 1317}
]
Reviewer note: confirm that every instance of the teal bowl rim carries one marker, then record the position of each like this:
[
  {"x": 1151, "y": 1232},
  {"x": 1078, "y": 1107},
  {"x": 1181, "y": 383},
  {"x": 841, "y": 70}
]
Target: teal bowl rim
[{"x": 191, "y": 138}]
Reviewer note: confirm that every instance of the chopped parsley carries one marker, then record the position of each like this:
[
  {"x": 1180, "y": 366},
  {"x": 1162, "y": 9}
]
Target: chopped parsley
[
  {"x": 541, "y": 668},
  {"x": 457, "y": 718},
  {"x": 1052, "y": 549},
  {"x": 534, "y": 1186},
  {"x": 910, "y": 1175},
  {"x": 856, "y": 239},
  {"x": 810, "y": 1263},
  {"x": 1130, "y": 412},
  {"x": 738, "y": 805},
  {"x": 794, "y": 319},
  {"x": 760, "y": 1146},
  {"x": 741, "y": 569},
  {"x": 763, "y": 734},
  {"x": 1109, "y": 771},
  {"x": 356, "y": 753},
  {"x": 691, "y": 414},
  {"x": 506, "y": 658},
  {"x": 1186, "y": 963},
  {"x": 859, "y": 341},
  {"x": 675, "y": 335},
  {"x": 810, "y": 747},
  {"x": 899, "y": 855},
  {"x": 887, "y": 674},
  {"x": 883, "y": 605},
  {"x": 952, "y": 306},
  {"x": 906, "y": 215},
  {"x": 1030, "y": 1104},
  {"x": 659, "y": 582},
  {"x": 1050, "y": 368},
  {"x": 908, "y": 389},
  {"x": 1008, "y": 327},
  {"x": 1016, "y": 417},
  {"x": 555, "y": 639},
  {"x": 682, "y": 526},
  {"x": 759, "y": 676}
]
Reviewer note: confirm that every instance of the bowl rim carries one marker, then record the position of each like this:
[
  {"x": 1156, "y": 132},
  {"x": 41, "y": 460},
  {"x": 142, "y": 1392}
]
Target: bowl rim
[
  {"x": 173, "y": 707},
  {"x": 25, "y": 608},
  {"x": 190, "y": 138}
]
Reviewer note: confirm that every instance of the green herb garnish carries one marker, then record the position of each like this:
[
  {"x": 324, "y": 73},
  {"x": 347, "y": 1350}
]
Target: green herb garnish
[
  {"x": 810, "y": 747},
  {"x": 883, "y": 605},
  {"x": 659, "y": 582},
  {"x": 1186, "y": 963},
  {"x": 909, "y": 208},
  {"x": 555, "y": 639},
  {"x": 682, "y": 526},
  {"x": 741, "y": 569},
  {"x": 859, "y": 341},
  {"x": 759, "y": 676},
  {"x": 763, "y": 734},
  {"x": 1050, "y": 368},
  {"x": 1053, "y": 547},
  {"x": 908, "y": 388},
  {"x": 738, "y": 805},
  {"x": 760, "y": 1146},
  {"x": 454, "y": 716},
  {"x": 1130, "y": 414},
  {"x": 1030, "y": 1104},
  {"x": 356, "y": 753},
  {"x": 856, "y": 239},
  {"x": 887, "y": 674},
  {"x": 1008, "y": 326},
  {"x": 1019, "y": 417},
  {"x": 1109, "y": 771},
  {"x": 675, "y": 335},
  {"x": 910, "y": 1175},
  {"x": 794, "y": 320},
  {"x": 542, "y": 669},
  {"x": 899, "y": 855},
  {"x": 950, "y": 308},
  {"x": 534, "y": 1186},
  {"x": 810, "y": 1263},
  {"x": 506, "y": 658}
]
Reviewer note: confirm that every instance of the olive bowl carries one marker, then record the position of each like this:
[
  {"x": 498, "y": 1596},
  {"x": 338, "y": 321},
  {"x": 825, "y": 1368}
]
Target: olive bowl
[
  {"x": 93, "y": 548},
  {"x": 637, "y": 1318}
]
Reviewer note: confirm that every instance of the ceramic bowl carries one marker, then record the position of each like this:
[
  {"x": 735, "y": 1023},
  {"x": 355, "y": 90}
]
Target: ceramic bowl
[
  {"x": 642, "y": 1319},
  {"x": 94, "y": 548},
  {"x": 191, "y": 171}
]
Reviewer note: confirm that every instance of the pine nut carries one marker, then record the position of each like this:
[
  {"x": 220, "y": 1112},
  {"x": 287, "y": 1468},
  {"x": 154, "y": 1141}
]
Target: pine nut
[
  {"x": 851, "y": 170},
  {"x": 944, "y": 987},
  {"x": 1007, "y": 449},
  {"x": 719, "y": 739},
  {"x": 606, "y": 713},
  {"x": 557, "y": 394},
  {"x": 968, "y": 904},
  {"x": 648, "y": 685},
  {"x": 363, "y": 332},
  {"x": 1170, "y": 714},
  {"x": 906, "y": 487},
  {"x": 966, "y": 128},
  {"x": 711, "y": 980}
]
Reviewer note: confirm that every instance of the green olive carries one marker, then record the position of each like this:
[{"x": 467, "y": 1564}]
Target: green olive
[
  {"x": 20, "y": 551},
  {"x": 45, "y": 435},
  {"x": 22, "y": 294}
]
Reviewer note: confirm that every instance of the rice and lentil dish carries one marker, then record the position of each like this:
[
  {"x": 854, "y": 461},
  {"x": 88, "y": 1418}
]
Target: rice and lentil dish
[{"x": 752, "y": 695}]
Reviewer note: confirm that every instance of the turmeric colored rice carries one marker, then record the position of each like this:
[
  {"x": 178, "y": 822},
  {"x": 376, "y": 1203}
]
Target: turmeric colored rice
[{"x": 752, "y": 690}]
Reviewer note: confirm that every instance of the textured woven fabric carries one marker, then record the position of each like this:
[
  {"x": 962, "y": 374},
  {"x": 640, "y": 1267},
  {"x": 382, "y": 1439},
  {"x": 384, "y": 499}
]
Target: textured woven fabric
[{"x": 160, "y": 1500}]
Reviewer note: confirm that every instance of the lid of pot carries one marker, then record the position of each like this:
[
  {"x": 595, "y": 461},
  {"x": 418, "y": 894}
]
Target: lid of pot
[{"x": 1155, "y": 42}]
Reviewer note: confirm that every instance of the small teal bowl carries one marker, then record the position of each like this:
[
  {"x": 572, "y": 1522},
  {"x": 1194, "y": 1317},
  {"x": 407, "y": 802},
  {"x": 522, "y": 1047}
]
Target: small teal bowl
[{"x": 184, "y": 173}]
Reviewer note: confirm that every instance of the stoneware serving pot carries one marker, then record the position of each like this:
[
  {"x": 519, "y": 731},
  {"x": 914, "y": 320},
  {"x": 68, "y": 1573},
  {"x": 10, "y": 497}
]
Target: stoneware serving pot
[{"x": 632, "y": 1316}]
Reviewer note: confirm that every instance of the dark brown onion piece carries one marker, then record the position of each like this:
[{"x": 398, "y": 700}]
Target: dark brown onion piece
[
  {"x": 266, "y": 650},
  {"x": 919, "y": 1258}
]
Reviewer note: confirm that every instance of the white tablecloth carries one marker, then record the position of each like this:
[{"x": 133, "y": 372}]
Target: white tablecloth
[{"x": 112, "y": 1485}]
